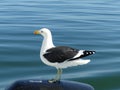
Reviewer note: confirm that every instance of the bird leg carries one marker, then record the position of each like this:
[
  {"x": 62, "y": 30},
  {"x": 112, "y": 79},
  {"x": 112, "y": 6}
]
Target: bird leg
[{"x": 58, "y": 76}]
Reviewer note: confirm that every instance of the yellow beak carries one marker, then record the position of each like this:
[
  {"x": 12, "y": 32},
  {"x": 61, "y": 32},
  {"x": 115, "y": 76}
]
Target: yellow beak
[{"x": 36, "y": 32}]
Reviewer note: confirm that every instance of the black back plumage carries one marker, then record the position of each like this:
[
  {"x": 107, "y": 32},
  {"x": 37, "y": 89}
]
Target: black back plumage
[{"x": 60, "y": 54}]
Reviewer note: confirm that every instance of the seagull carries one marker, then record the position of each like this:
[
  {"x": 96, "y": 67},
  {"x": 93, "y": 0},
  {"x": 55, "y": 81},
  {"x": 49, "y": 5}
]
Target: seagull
[{"x": 60, "y": 57}]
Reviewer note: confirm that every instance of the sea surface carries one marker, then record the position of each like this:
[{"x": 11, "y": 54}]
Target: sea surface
[{"x": 81, "y": 24}]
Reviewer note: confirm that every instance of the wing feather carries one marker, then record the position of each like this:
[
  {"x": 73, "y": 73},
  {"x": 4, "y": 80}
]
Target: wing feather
[{"x": 60, "y": 54}]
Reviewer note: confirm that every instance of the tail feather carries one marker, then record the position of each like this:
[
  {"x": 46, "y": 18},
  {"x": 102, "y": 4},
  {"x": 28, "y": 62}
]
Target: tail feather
[
  {"x": 87, "y": 53},
  {"x": 84, "y": 54}
]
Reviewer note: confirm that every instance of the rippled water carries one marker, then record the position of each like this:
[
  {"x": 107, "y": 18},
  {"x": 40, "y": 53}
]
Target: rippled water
[{"x": 82, "y": 24}]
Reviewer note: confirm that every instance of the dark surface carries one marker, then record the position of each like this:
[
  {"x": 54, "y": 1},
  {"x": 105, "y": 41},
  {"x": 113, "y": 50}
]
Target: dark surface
[{"x": 45, "y": 85}]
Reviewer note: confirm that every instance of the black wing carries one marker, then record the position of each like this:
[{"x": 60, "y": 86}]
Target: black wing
[
  {"x": 85, "y": 53},
  {"x": 60, "y": 54}
]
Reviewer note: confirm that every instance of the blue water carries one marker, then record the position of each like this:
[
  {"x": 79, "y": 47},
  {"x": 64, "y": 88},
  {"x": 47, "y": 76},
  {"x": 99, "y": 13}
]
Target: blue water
[{"x": 82, "y": 24}]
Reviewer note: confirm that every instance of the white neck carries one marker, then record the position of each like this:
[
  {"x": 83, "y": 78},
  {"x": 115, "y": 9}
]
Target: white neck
[{"x": 47, "y": 43}]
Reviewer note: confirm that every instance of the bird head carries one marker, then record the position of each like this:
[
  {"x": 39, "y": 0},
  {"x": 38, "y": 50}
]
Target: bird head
[{"x": 44, "y": 32}]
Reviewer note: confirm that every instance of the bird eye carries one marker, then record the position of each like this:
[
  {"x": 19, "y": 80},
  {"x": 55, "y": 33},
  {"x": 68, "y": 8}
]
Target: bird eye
[{"x": 41, "y": 31}]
